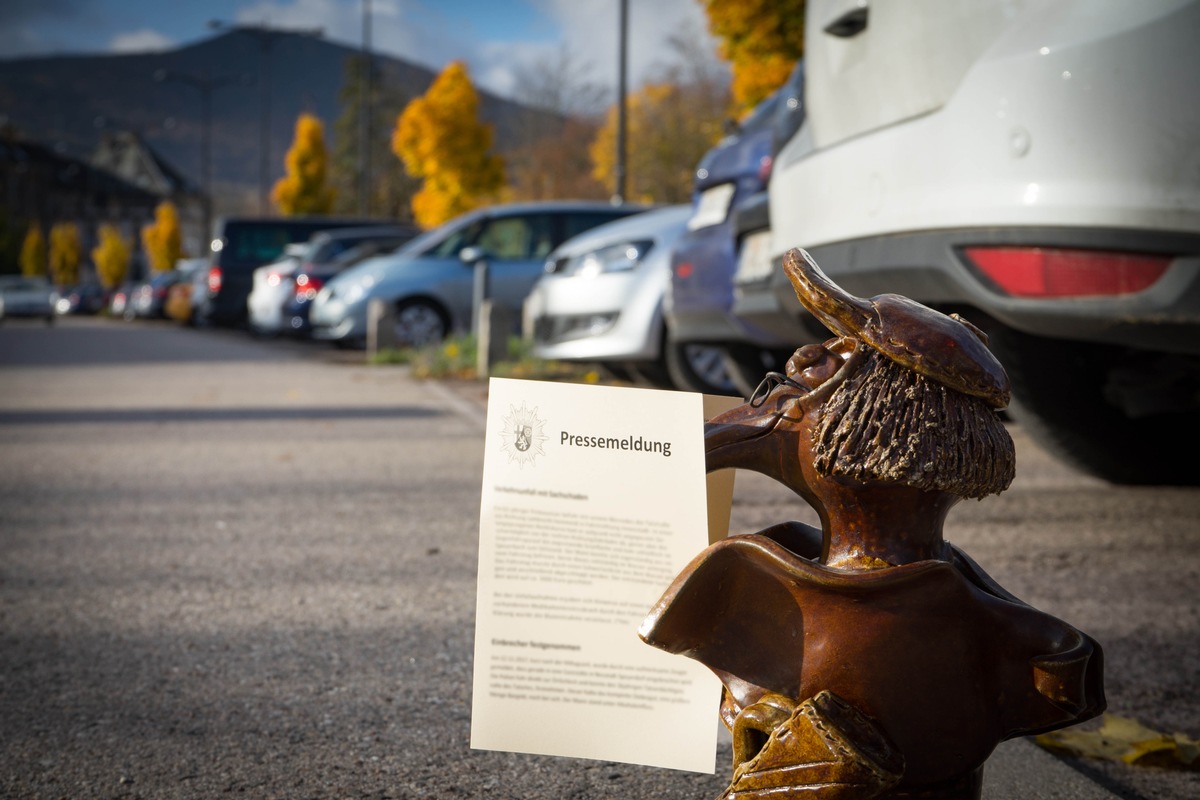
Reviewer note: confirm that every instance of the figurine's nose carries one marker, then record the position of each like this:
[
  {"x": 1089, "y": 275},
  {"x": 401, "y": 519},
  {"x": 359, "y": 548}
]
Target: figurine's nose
[{"x": 1072, "y": 680}]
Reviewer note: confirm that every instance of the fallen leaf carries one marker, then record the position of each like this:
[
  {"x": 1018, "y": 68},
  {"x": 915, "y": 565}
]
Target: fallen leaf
[{"x": 1124, "y": 739}]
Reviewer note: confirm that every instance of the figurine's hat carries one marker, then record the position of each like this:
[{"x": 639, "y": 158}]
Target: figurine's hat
[{"x": 945, "y": 348}]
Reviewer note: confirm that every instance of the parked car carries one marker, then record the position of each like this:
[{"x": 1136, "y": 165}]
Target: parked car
[
  {"x": 84, "y": 298},
  {"x": 241, "y": 246},
  {"x": 271, "y": 285},
  {"x": 118, "y": 301},
  {"x": 1034, "y": 171},
  {"x": 700, "y": 296},
  {"x": 601, "y": 297},
  {"x": 22, "y": 296},
  {"x": 329, "y": 253},
  {"x": 185, "y": 297},
  {"x": 429, "y": 286},
  {"x": 149, "y": 298}
]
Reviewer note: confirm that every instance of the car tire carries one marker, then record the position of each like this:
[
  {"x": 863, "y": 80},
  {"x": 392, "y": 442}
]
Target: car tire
[
  {"x": 1059, "y": 396},
  {"x": 419, "y": 323},
  {"x": 694, "y": 367},
  {"x": 747, "y": 365}
]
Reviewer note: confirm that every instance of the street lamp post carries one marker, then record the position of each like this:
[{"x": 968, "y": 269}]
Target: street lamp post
[
  {"x": 265, "y": 38},
  {"x": 205, "y": 86},
  {"x": 622, "y": 122}
]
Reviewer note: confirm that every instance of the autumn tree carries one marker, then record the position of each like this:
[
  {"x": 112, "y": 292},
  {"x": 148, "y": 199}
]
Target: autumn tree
[
  {"x": 671, "y": 123},
  {"x": 441, "y": 140},
  {"x": 389, "y": 187},
  {"x": 33, "y": 252},
  {"x": 564, "y": 108},
  {"x": 761, "y": 39},
  {"x": 304, "y": 188},
  {"x": 162, "y": 239},
  {"x": 111, "y": 256},
  {"x": 66, "y": 251}
]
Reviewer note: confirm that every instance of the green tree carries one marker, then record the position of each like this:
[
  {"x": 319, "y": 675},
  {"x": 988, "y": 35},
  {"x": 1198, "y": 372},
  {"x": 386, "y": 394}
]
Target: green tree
[
  {"x": 389, "y": 188},
  {"x": 111, "y": 256},
  {"x": 162, "y": 239},
  {"x": 34, "y": 256},
  {"x": 66, "y": 251},
  {"x": 761, "y": 40},
  {"x": 304, "y": 188},
  {"x": 441, "y": 140}
]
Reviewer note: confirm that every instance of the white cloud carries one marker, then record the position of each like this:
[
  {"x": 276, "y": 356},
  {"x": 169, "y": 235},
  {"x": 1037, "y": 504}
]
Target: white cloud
[{"x": 142, "y": 41}]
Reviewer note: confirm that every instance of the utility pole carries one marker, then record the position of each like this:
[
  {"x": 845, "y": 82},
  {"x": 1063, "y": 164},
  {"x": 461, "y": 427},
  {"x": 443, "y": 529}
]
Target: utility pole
[
  {"x": 265, "y": 38},
  {"x": 364, "y": 117},
  {"x": 622, "y": 122},
  {"x": 205, "y": 86}
]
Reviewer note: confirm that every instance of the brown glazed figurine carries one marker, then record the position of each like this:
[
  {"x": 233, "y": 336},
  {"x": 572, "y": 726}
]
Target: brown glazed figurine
[{"x": 871, "y": 658}]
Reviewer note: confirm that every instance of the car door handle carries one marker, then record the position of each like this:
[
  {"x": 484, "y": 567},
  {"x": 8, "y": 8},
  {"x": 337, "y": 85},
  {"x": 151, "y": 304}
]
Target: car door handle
[{"x": 849, "y": 22}]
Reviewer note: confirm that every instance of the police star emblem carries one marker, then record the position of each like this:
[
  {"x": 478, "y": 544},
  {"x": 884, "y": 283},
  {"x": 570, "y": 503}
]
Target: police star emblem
[{"x": 522, "y": 435}]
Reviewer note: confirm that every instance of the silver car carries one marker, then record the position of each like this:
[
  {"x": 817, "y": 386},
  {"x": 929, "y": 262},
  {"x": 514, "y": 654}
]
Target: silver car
[
  {"x": 601, "y": 299},
  {"x": 429, "y": 287},
  {"x": 21, "y": 296}
]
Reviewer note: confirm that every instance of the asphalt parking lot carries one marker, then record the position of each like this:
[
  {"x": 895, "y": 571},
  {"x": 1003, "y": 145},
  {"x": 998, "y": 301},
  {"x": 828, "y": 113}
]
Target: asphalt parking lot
[{"x": 239, "y": 567}]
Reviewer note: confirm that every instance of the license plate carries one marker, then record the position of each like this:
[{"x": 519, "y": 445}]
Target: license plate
[
  {"x": 713, "y": 206},
  {"x": 754, "y": 258}
]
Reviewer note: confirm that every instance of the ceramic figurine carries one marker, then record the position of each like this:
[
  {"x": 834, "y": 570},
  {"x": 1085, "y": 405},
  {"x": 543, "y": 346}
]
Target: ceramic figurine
[{"x": 871, "y": 658}]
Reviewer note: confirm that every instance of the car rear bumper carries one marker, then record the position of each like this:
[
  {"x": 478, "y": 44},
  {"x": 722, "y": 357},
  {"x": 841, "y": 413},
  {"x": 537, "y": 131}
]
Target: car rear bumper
[{"x": 929, "y": 266}]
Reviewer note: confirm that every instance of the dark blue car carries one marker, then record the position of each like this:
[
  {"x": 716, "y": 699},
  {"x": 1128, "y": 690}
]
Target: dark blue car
[{"x": 708, "y": 347}]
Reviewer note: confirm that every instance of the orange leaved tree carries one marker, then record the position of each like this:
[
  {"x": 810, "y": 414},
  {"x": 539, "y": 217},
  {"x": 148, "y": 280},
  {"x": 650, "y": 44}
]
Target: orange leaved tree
[
  {"x": 761, "y": 39},
  {"x": 34, "y": 255},
  {"x": 304, "y": 189},
  {"x": 162, "y": 239},
  {"x": 441, "y": 140},
  {"x": 111, "y": 256}
]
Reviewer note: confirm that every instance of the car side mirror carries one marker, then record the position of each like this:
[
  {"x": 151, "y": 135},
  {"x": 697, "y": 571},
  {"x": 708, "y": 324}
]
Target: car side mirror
[{"x": 471, "y": 255}]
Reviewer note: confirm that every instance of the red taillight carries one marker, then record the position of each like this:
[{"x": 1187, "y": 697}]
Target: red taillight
[
  {"x": 214, "y": 280},
  {"x": 764, "y": 169},
  {"x": 684, "y": 270},
  {"x": 307, "y": 286},
  {"x": 1053, "y": 272}
]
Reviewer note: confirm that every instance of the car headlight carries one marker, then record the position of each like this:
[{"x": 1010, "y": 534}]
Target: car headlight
[
  {"x": 358, "y": 291},
  {"x": 614, "y": 258}
]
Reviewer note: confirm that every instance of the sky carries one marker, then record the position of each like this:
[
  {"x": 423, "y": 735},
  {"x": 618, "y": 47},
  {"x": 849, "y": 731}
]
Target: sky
[{"x": 494, "y": 37}]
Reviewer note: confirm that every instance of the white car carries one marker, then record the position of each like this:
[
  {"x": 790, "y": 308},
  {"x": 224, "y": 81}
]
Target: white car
[
  {"x": 27, "y": 297},
  {"x": 601, "y": 299},
  {"x": 1034, "y": 166},
  {"x": 272, "y": 286}
]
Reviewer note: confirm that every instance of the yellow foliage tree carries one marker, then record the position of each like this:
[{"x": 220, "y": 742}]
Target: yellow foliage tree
[
  {"x": 440, "y": 139},
  {"x": 33, "y": 252},
  {"x": 66, "y": 251},
  {"x": 305, "y": 188},
  {"x": 162, "y": 239},
  {"x": 761, "y": 40},
  {"x": 111, "y": 256},
  {"x": 666, "y": 139}
]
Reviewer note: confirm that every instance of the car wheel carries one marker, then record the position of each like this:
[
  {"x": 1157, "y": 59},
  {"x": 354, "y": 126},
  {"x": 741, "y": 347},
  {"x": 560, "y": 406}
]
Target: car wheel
[
  {"x": 696, "y": 367},
  {"x": 1061, "y": 395},
  {"x": 419, "y": 323},
  {"x": 747, "y": 365}
]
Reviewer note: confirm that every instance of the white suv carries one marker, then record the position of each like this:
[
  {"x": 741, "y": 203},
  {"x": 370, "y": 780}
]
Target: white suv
[{"x": 1034, "y": 165}]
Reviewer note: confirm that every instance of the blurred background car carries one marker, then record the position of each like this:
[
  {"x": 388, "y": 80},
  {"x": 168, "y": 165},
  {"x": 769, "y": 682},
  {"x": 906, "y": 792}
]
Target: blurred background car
[
  {"x": 429, "y": 288},
  {"x": 600, "y": 299},
  {"x": 271, "y": 285},
  {"x": 242, "y": 245},
  {"x": 708, "y": 348},
  {"x": 118, "y": 301},
  {"x": 1034, "y": 171},
  {"x": 329, "y": 253},
  {"x": 84, "y": 298},
  {"x": 149, "y": 298},
  {"x": 22, "y": 296}
]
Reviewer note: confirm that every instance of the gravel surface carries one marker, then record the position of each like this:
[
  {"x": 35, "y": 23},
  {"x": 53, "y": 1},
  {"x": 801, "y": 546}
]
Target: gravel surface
[{"x": 256, "y": 577}]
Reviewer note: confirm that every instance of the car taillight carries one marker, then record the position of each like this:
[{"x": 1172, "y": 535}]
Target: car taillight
[
  {"x": 764, "y": 169},
  {"x": 214, "y": 280},
  {"x": 1058, "y": 272},
  {"x": 684, "y": 270},
  {"x": 307, "y": 286}
]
